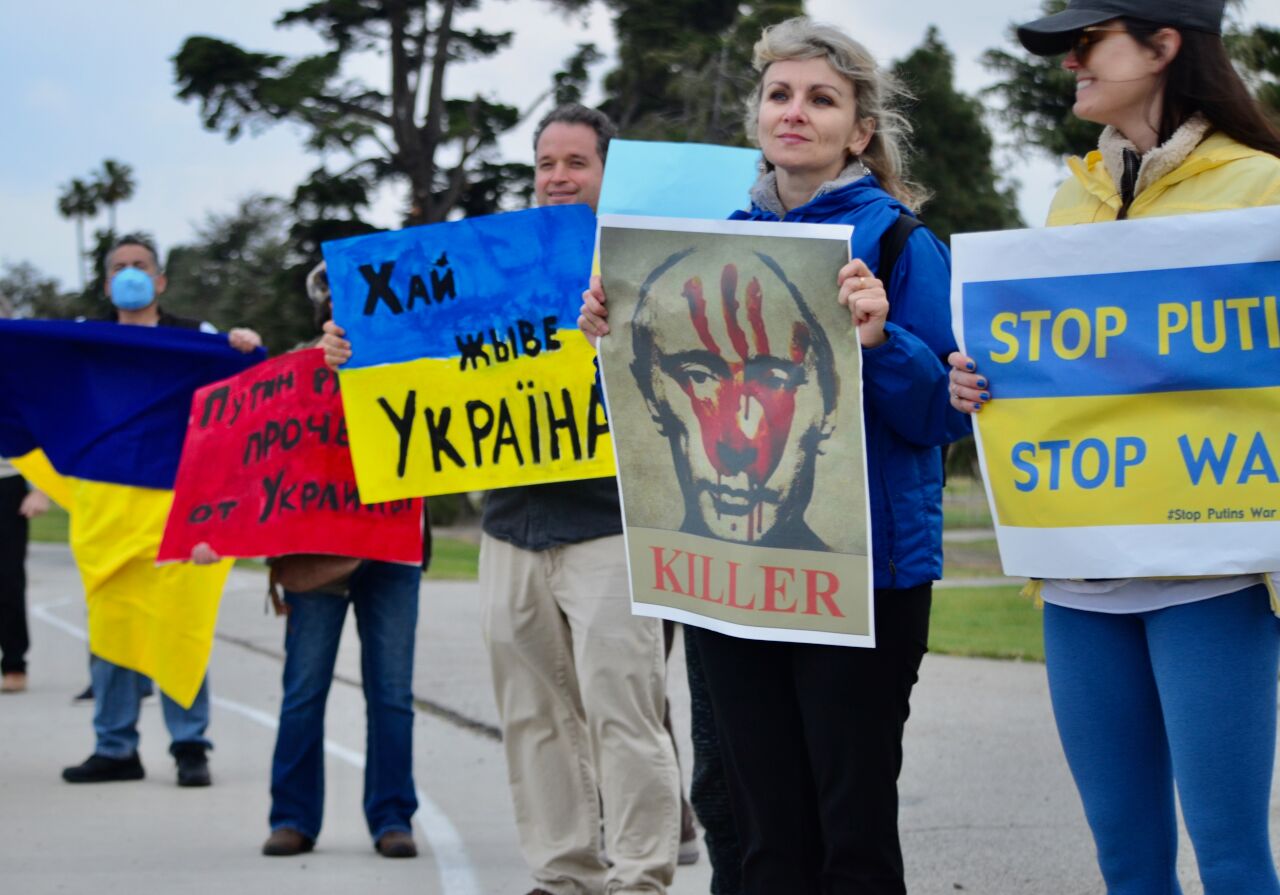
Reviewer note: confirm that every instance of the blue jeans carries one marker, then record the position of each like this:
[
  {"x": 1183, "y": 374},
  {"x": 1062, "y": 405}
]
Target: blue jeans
[
  {"x": 385, "y": 598},
  {"x": 117, "y": 697},
  {"x": 1185, "y": 696}
]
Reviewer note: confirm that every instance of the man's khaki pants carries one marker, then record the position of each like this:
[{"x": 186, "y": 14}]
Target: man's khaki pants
[{"x": 580, "y": 686}]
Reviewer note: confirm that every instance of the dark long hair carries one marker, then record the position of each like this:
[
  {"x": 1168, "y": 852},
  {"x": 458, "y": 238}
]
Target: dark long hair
[{"x": 1202, "y": 79}]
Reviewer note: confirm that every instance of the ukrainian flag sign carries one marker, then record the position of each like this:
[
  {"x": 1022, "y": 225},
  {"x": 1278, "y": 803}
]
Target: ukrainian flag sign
[
  {"x": 468, "y": 371},
  {"x": 1135, "y": 374}
]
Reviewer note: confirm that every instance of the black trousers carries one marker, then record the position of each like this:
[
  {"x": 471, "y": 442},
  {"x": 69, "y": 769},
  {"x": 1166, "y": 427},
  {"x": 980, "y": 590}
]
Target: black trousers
[
  {"x": 811, "y": 738},
  {"x": 709, "y": 792},
  {"x": 14, "y": 639}
]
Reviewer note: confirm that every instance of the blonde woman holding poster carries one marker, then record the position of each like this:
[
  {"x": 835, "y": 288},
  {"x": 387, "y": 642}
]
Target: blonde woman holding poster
[
  {"x": 1161, "y": 682},
  {"x": 811, "y": 735}
]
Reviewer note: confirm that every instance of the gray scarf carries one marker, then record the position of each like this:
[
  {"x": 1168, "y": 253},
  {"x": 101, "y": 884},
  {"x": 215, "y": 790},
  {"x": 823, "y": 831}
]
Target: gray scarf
[{"x": 765, "y": 191}]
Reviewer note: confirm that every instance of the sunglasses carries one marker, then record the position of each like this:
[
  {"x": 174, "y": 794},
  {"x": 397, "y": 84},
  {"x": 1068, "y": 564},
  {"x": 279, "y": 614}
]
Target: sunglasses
[{"x": 1088, "y": 38}]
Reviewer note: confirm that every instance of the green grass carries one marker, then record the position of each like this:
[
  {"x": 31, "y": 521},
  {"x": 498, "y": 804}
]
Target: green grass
[
  {"x": 964, "y": 504},
  {"x": 453, "y": 559},
  {"x": 967, "y": 621},
  {"x": 971, "y": 559},
  {"x": 51, "y": 527},
  {"x": 994, "y": 622}
]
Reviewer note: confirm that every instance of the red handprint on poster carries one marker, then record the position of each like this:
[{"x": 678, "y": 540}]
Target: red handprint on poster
[
  {"x": 734, "y": 388},
  {"x": 744, "y": 423}
]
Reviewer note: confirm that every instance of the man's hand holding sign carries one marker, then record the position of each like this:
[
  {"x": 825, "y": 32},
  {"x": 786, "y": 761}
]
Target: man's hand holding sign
[{"x": 266, "y": 471}]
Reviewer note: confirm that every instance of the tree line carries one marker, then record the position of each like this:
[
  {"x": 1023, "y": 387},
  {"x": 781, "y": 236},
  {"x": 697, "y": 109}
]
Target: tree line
[{"x": 682, "y": 72}]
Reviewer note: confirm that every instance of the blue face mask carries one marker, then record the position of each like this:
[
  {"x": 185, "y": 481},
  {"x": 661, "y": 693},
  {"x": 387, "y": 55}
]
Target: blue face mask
[{"x": 131, "y": 290}]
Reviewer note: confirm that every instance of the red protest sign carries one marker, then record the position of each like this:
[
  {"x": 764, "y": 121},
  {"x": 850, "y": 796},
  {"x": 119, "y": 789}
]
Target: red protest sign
[{"x": 266, "y": 471}]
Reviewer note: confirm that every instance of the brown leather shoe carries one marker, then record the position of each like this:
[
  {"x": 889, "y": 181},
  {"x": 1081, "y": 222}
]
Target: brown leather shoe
[
  {"x": 13, "y": 682},
  {"x": 397, "y": 844},
  {"x": 286, "y": 841}
]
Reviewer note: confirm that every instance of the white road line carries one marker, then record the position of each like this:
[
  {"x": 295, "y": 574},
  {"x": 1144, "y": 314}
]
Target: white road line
[
  {"x": 457, "y": 876},
  {"x": 44, "y": 612}
]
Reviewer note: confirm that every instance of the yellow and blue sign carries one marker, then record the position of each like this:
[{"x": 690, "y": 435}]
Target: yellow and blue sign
[
  {"x": 1135, "y": 421},
  {"x": 468, "y": 371}
]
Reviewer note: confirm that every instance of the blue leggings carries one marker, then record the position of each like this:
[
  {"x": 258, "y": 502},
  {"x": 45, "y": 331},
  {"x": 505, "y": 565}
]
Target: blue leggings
[{"x": 1184, "y": 695}]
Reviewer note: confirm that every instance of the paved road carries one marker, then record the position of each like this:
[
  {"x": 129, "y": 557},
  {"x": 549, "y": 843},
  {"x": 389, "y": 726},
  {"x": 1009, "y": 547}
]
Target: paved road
[{"x": 987, "y": 805}]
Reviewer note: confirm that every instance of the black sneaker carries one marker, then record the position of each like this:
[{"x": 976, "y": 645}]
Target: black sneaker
[
  {"x": 85, "y": 695},
  {"x": 101, "y": 769},
  {"x": 193, "y": 766}
]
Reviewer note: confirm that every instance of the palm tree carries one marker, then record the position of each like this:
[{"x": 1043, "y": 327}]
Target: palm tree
[
  {"x": 115, "y": 184},
  {"x": 79, "y": 200}
]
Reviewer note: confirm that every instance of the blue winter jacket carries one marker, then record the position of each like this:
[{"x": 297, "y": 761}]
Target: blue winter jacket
[{"x": 906, "y": 401}]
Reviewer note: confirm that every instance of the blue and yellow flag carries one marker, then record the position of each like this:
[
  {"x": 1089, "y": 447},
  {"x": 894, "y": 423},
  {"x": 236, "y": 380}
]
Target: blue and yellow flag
[
  {"x": 36, "y": 469},
  {"x": 108, "y": 404},
  {"x": 157, "y": 620}
]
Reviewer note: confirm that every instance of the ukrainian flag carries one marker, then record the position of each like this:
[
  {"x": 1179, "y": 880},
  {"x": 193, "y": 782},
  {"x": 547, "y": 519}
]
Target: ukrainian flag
[
  {"x": 36, "y": 469},
  {"x": 108, "y": 405}
]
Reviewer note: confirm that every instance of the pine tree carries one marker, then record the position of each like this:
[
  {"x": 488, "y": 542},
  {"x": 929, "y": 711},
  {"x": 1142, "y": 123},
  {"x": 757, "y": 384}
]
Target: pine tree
[
  {"x": 952, "y": 147},
  {"x": 406, "y": 130},
  {"x": 1036, "y": 94},
  {"x": 684, "y": 66}
]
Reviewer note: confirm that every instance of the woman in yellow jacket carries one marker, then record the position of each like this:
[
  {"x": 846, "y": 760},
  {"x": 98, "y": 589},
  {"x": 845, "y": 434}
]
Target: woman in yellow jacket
[{"x": 1161, "y": 682}]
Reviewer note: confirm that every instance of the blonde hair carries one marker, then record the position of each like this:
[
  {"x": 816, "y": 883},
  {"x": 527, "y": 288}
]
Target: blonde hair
[{"x": 878, "y": 95}]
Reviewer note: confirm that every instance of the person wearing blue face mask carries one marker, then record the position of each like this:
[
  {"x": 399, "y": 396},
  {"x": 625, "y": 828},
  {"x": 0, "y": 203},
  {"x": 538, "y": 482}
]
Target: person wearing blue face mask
[{"x": 134, "y": 283}]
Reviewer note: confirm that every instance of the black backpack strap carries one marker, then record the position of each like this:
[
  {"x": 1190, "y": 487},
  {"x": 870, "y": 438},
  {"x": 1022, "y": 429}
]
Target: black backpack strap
[{"x": 893, "y": 242}]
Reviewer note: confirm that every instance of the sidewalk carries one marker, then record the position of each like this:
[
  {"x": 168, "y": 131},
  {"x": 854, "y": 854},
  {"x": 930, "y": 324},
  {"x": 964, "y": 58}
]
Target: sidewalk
[{"x": 987, "y": 803}]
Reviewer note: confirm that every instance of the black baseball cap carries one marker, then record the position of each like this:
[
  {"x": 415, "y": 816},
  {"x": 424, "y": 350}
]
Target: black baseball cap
[{"x": 1053, "y": 34}]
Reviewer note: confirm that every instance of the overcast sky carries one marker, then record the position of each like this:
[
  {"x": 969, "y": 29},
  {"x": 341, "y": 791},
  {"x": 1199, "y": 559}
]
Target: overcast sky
[{"x": 86, "y": 80}]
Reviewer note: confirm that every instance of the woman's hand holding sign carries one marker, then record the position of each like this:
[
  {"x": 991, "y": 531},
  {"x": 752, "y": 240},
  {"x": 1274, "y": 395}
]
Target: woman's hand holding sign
[
  {"x": 865, "y": 298},
  {"x": 969, "y": 391}
]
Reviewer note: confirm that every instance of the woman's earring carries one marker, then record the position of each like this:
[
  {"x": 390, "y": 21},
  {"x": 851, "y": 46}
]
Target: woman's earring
[{"x": 862, "y": 165}]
